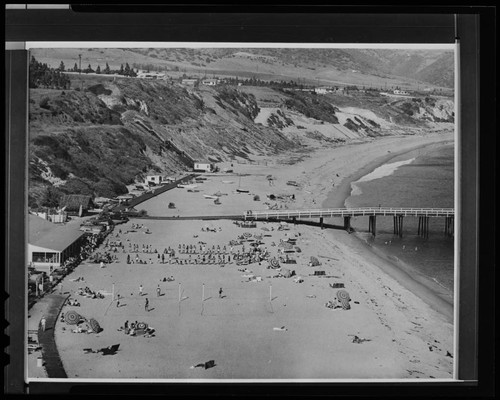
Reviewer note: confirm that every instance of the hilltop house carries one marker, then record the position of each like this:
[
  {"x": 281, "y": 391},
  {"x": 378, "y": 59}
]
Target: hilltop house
[
  {"x": 322, "y": 90},
  {"x": 401, "y": 92},
  {"x": 151, "y": 75},
  {"x": 50, "y": 244},
  {"x": 76, "y": 203},
  {"x": 190, "y": 82},
  {"x": 210, "y": 82}
]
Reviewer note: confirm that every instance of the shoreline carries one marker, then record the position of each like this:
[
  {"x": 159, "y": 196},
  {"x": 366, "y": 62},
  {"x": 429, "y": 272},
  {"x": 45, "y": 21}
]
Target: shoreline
[{"x": 424, "y": 287}]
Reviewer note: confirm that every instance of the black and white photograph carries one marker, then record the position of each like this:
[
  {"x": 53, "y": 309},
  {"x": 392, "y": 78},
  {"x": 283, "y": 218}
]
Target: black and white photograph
[{"x": 225, "y": 212}]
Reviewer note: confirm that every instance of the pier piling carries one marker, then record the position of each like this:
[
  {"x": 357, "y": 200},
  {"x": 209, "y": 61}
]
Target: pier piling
[
  {"x": 398, "y": 225},
  {"x": 448, "y": 226},
  {"x": 347, "y": 223},
  {"x": 372, "y": 224},
  {"x": 321, "y": 222}
]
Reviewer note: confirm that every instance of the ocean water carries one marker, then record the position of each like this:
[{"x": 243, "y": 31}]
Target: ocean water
[{"x": 421, "y": 178}]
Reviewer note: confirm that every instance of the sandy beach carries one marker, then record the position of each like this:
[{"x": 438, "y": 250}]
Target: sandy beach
[{"x": 271, "y": 327}]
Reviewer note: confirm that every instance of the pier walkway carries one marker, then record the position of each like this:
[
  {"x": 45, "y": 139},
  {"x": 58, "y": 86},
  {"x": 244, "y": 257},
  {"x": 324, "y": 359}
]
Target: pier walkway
[
  {"x": 398, "y": 214},
  {"x": 351, "y": 212}
]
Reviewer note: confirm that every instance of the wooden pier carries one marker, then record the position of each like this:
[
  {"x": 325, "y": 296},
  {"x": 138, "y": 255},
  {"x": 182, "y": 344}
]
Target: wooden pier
[{"x": 398, "y": 214}]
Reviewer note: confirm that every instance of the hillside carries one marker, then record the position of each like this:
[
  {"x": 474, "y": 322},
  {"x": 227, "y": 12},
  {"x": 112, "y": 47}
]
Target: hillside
[{"x": 116, "y": 130}]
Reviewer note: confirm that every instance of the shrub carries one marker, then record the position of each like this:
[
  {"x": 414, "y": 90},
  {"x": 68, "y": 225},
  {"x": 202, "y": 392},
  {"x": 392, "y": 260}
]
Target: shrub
[
  {"x": 256, "y": 198},
  {"x": 44, "y": 103},
  {"x": 142, "y": 213}
]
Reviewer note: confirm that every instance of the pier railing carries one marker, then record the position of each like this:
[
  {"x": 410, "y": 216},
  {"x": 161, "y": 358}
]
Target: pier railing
[{"x": 351, "y": 212}]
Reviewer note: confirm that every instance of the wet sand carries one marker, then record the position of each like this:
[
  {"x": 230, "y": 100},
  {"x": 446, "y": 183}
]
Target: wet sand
[{"x": 406, "y": 337}]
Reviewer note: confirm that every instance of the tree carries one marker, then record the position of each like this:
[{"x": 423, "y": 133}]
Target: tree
[
  {"x": 62, "y": 66},
  {"x": 75, "y": 68},
  {"x": 122, "y": 71},
  {"x": 107, "y": 70},
  {"x": 126, "y": 71},
  {"x": 98, "y": 69},
  {"x": 89, "y": 69}
]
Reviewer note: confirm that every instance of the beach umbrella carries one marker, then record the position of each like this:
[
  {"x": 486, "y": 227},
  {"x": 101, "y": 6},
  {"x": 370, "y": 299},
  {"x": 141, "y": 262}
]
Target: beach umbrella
[
  {"x": 298, "y": 249},
  {"x": 95, "y": 325},
  {"x": 274, "y": 263},
  {"x": 344, "y": 299},
  {"x": 247, "y": 235},
  {"x": 265, "y": 229},
  {"x": 72, "y": 317},
  {"x": 314, "y": 261},
  {"x": 142, "y": 325}
]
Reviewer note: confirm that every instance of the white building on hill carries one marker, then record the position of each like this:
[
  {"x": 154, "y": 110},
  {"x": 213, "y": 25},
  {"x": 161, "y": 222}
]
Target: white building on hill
[
  {"x": 151, "y": 75},
  {"x": 203, "y": 166},
  {"x": 210, "y": 82},
  {"x": 153, "y": 179}
]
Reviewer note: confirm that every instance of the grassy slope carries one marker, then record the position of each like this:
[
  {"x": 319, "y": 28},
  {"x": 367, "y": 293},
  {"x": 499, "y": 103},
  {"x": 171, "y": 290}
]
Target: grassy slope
[{"x": 97, "y": 145}]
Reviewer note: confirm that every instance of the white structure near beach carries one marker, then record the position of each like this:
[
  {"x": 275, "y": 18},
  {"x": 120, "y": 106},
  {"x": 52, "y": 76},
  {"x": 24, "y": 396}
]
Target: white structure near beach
[
  {"x": 153, "y": 179},
  {"x": 203, "y": 166},
  {"x": 50, "y": 244}
]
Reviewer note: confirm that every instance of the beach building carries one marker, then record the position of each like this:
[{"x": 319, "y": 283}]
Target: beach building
[
  {"x": 153, "y": 180},
  {"x": 76, "y": 203},
  {"x": 125, "y": 198},
  {"x": 203, "y": 166},
  {"x": 50, "y": 244}
]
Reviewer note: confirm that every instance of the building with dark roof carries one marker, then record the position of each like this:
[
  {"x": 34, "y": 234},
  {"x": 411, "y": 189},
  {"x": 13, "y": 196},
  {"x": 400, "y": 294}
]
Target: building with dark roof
[
  {"x": 73, "y": 202},
  {"x": 50, "y": 244}
]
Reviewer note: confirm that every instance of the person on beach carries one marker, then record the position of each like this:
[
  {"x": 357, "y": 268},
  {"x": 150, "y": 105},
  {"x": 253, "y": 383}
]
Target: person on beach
[
  {"x": 158, "y": 291},
  {"x": 43, "y": 322},
  {"x": 140, "y": 290},
  {"x": 220, "y": 293},
  {"x": 146, "y": 305}
]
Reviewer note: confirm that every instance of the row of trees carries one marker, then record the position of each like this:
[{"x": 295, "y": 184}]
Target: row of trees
[
  {"x": 42, "y": 76},
  {"x": 124, "y": 70}
]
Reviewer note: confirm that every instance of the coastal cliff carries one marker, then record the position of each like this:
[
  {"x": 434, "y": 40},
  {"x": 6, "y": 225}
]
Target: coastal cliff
[{"x": 115, "y": 131}]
